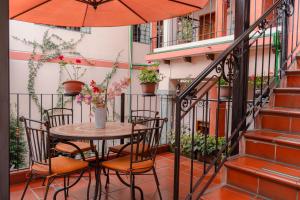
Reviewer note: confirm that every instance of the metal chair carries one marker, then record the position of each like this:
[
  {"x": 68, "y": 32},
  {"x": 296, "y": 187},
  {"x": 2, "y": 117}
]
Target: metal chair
[
  {"x": 64, "y": 116},
  {"x": 124, "y": 149},
  {"x": 44, "y": 165},
  {"x": 136, "y": 116},
  {"x": 143, "y": 148}
]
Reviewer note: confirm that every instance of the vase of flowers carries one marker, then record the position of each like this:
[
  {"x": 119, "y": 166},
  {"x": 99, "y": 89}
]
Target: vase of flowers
[
  {"x": 72, "y": 86},
  {"x": 98, "y": 96},
  {"x": 149, "y": 78}
]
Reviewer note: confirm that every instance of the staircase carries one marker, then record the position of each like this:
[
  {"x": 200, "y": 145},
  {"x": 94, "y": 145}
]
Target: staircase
[{"x": 269, "y": 167}]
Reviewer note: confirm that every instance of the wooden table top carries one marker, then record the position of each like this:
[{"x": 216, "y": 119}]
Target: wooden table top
[{"x": 88, "y": 131}]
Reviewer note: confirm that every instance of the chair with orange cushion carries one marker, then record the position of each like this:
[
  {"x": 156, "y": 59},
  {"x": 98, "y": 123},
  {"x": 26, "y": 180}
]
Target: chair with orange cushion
[
  {"x": 136, "y": 116},
  {"x": 64, "y": 116},
  {"x": 124, "y": 149},
  {"x": 141, "y": 159},
  {"x": 44, "y": 165}
]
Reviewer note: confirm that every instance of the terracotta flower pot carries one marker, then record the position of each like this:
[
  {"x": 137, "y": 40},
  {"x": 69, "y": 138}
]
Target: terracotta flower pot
[
  {"x": 148, "y": 88},
  {"x": 225, "y": 91},
  {"x": 73, "y": 87}
]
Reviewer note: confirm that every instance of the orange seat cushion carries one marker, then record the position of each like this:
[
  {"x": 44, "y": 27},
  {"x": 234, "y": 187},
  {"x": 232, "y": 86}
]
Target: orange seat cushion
[
  {"x": 59, "y": 165},
  {"x": 127, "y": 149},
  {"x": 66, "y": 148},
  {"x": 122, "y": 164}
]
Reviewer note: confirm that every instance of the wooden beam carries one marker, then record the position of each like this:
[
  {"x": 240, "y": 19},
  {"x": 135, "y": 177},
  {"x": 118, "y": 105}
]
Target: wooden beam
[
  {"x": 167, "y": 62},
  {"x": 187, "y": 59},
  {"x": 210, "y": 56},
  {"x": 4, "y": 101}
]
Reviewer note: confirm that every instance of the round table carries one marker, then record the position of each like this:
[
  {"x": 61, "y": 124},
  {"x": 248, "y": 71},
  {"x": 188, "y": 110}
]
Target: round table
[{"x": 88, "y": 131}]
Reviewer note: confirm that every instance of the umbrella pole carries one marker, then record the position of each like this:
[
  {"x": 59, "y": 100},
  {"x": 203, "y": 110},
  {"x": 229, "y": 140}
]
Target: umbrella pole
[{"x": 130, "y": 66}]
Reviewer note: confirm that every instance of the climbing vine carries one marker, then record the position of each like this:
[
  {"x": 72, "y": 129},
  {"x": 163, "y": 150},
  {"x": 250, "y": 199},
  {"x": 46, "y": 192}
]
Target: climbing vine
[{"x": 51, "y": 47}]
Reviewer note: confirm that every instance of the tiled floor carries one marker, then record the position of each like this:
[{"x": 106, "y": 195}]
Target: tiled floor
[{"x": 117, "y": 191}]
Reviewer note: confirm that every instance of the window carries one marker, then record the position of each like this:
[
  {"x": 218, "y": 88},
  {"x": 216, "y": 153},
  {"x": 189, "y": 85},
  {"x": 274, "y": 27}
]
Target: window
[
  {"x": 160, "y": 34},
  {"x": 86, "y": 30},
  {"x": 207, "y": 26},
  {"x": 141, "y": 33}
]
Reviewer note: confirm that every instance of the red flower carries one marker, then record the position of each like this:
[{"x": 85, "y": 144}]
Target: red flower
[
  {"x": 149, "y": 62},
  {"x": 96, "y": 90},
  {"x": 61, "y": 57},
  {"x": 78, "y": 61}
]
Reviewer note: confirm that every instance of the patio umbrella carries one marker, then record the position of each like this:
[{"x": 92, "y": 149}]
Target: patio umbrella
[{"x": 91, "y": 13}]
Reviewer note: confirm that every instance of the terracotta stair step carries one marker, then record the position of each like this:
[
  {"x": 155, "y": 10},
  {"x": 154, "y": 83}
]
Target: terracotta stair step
[
  {"x": 228, "y": 193},
  {"x": 281, "y": 111},
  {"x": 288, "y": 90},
  {"x": 279, "y": 147},
  {"x": 287, "y": 97},
  {"x": 293, "y": 78},
  {"x": 263, "y": 177},
  {"x": 294, "y": 72},
  {"x": 279, "y": 119},
  {"x": 274, "y": 137}
]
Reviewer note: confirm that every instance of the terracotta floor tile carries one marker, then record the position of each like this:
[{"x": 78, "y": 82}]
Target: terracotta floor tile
[{"x": 117, "y": 191}]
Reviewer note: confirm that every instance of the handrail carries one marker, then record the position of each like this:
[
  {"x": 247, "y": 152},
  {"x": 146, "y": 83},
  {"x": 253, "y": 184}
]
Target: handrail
[
  {"x": 268, "y": 37},
  {"x": 222, "y": 56}
]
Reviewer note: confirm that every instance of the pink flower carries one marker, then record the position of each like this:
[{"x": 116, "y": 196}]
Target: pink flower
[
  {"x": 78, "y": 61},
  {"x": 79, "y": 98},
  {"x": 88, "y": 99}
]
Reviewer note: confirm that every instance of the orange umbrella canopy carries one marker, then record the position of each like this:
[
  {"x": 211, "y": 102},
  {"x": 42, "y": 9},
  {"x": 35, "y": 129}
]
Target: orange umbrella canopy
[{"x": 78, "y": 13}]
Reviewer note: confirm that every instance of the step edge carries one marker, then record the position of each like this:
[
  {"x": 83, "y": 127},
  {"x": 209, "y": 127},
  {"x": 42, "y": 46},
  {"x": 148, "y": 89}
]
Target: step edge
[{"x": 280, "y": 179}]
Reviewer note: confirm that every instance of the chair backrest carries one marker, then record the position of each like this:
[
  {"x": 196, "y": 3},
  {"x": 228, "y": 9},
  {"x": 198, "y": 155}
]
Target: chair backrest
[
  {"x": 145, "y": 141},
  {"x": 59, "y": 116},
  {"x": 38, "y": 141},
  {"x": 142, "y": 115}
]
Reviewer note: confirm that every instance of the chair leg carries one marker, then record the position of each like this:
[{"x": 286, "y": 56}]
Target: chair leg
[
  {"x": 65, "y": 186},
  {"x": 157, "y": 183},
  {"x": 132, "y": 184},
  {"x": 68, "y": 183},
  {"x": 48, "y": 183},
  {"x": 107, "y": 174},
  {"x": 69, "y": 186},
  {"x": 26, "y": 187},
  {"x": 100, "y": 184},
  {"x": 89, "y": 184}
]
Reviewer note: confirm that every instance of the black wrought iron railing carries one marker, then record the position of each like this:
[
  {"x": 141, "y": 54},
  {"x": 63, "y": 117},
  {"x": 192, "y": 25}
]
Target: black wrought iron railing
[{"x": 249, "y": 70}]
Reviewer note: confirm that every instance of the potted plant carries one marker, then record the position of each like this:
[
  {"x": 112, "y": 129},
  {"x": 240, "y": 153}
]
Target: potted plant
[
  {"x": 17, "y": 143},
  {"x": 98, "y": 96},
  {"x": 257, "y": 81},
  {"x": 204, "y": 152},
  {"x": 72, "y": 86},
  {"x": 149, "y": 77},
  {"x": 225, "y": 88}
]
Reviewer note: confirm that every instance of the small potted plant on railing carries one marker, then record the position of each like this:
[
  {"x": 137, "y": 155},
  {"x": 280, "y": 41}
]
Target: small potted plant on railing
[
  {"x": 72, "y": 86},
  {"x": 149, "y": 78},
  {"x": 225, "y": 88}
]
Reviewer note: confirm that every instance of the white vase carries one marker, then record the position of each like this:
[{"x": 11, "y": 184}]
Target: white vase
[{"x": 100, "y": 117}]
